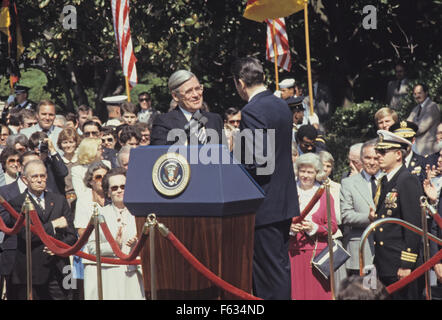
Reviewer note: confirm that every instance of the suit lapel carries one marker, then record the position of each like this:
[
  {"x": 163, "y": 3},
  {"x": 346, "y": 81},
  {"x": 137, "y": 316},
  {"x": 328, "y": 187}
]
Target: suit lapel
[
  {"x": 49, "y": 205},
  {"x": 362, "y": 188},
  {"x": 180, "y": 119}
]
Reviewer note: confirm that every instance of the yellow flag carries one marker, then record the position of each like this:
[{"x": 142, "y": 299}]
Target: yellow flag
[
  {"x": 5, "y": 20},
  {"x": 260, "y": 10}
]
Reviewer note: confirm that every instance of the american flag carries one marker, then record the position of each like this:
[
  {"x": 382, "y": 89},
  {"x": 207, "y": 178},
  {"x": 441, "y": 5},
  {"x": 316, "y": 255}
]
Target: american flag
[
  {"x": 282, "y": 43},
  {"x": 120, "y": 12}
]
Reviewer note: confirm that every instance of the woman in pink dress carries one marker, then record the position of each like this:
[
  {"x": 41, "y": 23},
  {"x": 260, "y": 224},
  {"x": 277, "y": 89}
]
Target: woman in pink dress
[{"x": 307, "y": 283}]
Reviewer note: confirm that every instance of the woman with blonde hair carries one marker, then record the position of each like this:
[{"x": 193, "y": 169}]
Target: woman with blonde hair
[
  {"x": 89, "y": 150},
  {"x": 309, "y": 237}
]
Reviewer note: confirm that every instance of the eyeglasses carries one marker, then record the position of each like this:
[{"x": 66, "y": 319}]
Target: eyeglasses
[
  {"x": 35, "y": 177},
  {"x": 91, "y": 134},
  {"x": 98, "y": 177},
  {"x": 30, "y": 124},
  {"x": 145, "y": 136},
  {"x": 115, "y": 188},
  {"x": 189, "y": 92},
  {"x": 234, "y": 121},
  {"x": 143, "y": 99},
  {"x": 13, "y": 161},
  {"x": 108, "y": 140}
]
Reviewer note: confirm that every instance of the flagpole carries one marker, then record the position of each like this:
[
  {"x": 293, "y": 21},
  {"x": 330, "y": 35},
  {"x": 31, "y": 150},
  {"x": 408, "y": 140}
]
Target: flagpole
[
  {"x": 127, "y": 88},
  {"x": 307, "y": 48},
  {"x": 275, "y": 50}
]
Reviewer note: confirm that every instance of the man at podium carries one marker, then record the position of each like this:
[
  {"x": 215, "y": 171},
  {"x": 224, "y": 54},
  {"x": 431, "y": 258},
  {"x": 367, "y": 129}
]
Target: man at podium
[
  {"x": 187, "y": 92},
  {"x": 271, "y": 115}
]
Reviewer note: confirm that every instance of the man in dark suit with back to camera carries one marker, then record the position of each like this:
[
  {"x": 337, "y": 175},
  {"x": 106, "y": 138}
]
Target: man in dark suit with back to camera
[
  {"x": 397, "y": 249},
  {"x": 266, "y": 112},
  {"x": 187, "y": 91}
]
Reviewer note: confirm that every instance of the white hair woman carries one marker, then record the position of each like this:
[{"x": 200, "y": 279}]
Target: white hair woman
[{"x": 311, "y": 233}]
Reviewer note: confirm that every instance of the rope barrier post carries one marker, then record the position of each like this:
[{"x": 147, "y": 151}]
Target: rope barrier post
[
  {"x": 330, "y": 239},
  {"x": 98, "y": 252},
  {"x": 27, "y": 207},
  {"x": 152, "y": 223},
  {"x": 426, "y": 244}
]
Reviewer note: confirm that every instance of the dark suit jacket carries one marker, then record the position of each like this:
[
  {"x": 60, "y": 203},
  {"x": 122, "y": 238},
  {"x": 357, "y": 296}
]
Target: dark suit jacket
[
  {"x": 175, "y": 119},
  {"x": 7, "y": 248},
  {"x": 396, "y": 247},
  {"x": 111, "y": 156},
  {"x": 43, "y": 264},
  {"x": 417, "y": 166},
  {"x": 266, "y": 111},
  {"x": 57, "y": 171}
]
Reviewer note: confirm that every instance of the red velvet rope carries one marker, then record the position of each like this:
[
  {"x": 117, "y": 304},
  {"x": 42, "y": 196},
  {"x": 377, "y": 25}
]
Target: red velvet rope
[
  {"x": 15, "y": 229},
  {"x": 116, "y": 248},
  {"x": 415, "y": 274},
  {"x": 207, "y": 273},
  {"x": 41, "y": 233},
  {"x": 310, "y": 205},
  {"x": 63, "y": 245}
]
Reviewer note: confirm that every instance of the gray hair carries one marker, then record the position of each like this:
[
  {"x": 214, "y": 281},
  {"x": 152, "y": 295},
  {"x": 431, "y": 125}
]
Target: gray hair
[
  {"x": 94, "y": 166},
  {"x": 356, "y": 148},
  {"x": 60, "y": 117},
  {"x": 311, "y": 160},
  {"x": 369, "y": 143},
  {"x": 178, "y": 78},
  {"x": 13, "y": 139},
  {"x": 326, "y": 156},
  {"x": 124, "y": 150},
  {"x": 33, "y": 162}
]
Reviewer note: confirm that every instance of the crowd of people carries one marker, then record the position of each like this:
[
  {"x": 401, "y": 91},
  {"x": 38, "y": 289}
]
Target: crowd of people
[{"x": 73, "y": 165}]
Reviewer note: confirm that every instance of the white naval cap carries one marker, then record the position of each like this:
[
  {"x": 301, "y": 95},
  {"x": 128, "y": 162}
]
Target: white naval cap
[
  {"x": 287, "y": 83},
  {"x": 389, "y": 140},
  {"x": 115, "y": 99}
]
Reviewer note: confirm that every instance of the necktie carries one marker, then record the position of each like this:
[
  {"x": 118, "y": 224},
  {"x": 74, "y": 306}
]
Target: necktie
[
  {"x": 419, "y": 111},
  {"x": 381, "y": 185},
  {"x": 40, "y": 203},
  {"x": 373, "y": 186}
]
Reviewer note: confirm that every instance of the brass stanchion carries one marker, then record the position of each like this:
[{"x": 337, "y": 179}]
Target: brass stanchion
[
  {"x": 330, "y": 238},
  {"x": 426, "y": 244},
  {"x": 152, "y": 222},
  {"x": 27, "y": 207},
  {"x": 98, "y": 252}
]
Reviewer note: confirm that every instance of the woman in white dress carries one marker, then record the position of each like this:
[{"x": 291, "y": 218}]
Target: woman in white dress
[{"x": 120, "y": 282}]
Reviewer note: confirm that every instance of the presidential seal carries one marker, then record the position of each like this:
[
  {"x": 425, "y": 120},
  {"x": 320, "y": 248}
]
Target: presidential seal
[{"x": 171, "y": 174}]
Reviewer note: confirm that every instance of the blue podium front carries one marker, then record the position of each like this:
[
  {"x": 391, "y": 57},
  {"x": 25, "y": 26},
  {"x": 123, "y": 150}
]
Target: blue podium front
[{"x": 208, "y": 201}]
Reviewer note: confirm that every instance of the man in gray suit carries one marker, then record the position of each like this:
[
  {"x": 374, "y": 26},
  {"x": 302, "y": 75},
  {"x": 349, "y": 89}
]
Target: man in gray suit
[
  {"x": 427, "y": 116},
  {"x": 357, "y": 193}
]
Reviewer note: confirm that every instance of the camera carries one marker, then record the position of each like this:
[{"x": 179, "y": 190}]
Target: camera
[{"x": 43, "y": 147}]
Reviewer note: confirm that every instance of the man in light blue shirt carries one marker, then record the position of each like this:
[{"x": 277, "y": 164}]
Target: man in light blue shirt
[{"x": 45, "y": 118}]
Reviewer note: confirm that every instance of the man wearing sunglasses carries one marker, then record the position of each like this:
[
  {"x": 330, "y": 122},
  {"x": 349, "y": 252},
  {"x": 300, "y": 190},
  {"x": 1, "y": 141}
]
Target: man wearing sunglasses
[
  {"x": 398, "y": 194},
  {"x": 146, "y": 110}
]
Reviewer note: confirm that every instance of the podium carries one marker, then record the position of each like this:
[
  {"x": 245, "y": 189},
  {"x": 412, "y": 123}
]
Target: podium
[{"x": 208, "y": 201}]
